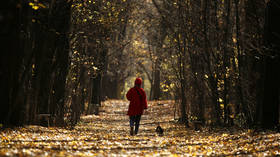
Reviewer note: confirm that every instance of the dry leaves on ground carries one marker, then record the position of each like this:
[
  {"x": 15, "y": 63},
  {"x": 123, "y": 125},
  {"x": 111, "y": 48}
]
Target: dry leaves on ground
[{"x": 108, "y": 135}]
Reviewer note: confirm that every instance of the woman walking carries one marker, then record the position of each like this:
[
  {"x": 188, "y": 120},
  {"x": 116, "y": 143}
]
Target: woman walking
[{"x": 138, "y": 102}]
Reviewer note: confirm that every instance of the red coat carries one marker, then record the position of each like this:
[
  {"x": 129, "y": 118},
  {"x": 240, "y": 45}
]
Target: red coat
[{"x": 136, "y": 106}]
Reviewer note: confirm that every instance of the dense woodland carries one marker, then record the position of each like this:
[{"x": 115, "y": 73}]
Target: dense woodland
[{"x": 218, "y": 59}]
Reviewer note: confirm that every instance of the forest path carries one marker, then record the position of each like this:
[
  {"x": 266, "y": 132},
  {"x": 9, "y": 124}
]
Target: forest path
[{"x": 108, "y": 135}]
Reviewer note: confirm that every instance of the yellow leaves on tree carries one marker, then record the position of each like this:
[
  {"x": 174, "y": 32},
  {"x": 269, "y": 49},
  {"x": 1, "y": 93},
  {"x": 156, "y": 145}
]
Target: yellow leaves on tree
[{"x": 36, "y": 5}]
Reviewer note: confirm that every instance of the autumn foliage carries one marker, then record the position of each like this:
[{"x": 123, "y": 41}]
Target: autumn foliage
[{"x": 210, "y": 70}]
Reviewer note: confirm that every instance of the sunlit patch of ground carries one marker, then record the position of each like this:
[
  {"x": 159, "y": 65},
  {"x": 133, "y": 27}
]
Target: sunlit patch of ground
[{"x": 108, "y": 135}]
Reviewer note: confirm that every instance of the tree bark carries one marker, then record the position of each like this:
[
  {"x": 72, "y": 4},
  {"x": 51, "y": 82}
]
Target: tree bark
[
  {"x": 272, "y": 64},
  {"x": 156, "y": 82}
]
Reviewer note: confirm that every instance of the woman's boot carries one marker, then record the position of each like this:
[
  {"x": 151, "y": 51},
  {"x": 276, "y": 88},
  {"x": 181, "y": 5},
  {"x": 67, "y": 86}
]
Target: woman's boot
[{"x": 131, "y": 131}]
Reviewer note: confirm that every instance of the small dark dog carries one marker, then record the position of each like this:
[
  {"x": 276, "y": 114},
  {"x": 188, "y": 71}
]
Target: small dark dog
[{"x": 159, "y": 130}]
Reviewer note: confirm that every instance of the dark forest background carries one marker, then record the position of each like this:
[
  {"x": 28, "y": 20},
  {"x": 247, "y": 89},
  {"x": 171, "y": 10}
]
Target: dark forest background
[{"x": 218, "y": 59}]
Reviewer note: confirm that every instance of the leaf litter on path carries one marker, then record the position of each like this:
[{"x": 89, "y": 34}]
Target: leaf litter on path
[{"x": 107, "y": 134}]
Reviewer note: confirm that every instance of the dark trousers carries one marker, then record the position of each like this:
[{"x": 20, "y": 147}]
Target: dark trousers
[{"x": 135, "y": 121}]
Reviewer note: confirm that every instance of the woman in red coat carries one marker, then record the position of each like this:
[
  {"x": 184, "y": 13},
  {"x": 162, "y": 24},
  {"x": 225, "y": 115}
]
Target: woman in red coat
[{"x": 138, "y": 102}]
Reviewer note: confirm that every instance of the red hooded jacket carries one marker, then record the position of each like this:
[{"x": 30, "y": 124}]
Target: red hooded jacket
[{"x": 137, "y": 103}]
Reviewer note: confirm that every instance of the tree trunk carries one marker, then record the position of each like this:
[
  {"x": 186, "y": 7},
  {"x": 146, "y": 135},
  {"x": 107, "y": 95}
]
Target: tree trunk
[
  {"x": 183, "y": 104},
  {"x": 11, "y": 59},
  {"x": 62, "y": 25},
  {"x": 156, "y": 83},
  {"x": 226, "y": 60},
  {"x": 272, "y": 64},
  {"x": 96, "y": 91},
  {"x": 271, "y": 93}
]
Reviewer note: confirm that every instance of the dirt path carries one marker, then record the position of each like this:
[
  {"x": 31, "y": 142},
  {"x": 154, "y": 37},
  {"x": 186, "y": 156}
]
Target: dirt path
[
  {"x": 111, "y": 128},
  {"x": 108, "y": 135}
]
